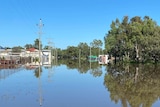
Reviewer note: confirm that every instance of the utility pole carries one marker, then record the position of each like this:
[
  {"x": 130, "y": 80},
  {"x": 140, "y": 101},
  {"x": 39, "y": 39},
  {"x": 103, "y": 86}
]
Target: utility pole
[
  {"x": 90, "y": 56},
  {"x": 40, "y": 25},
  {"x": 79, "y": 57},
  {"x": 50, "y": 43},
  {"x": 51, "y": 48}
]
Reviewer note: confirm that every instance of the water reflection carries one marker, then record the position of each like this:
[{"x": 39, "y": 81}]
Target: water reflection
[
  {"x": 7, "y": 71},
  {"x": 38, "y": 75},
  {"x": 38, "y": 71},
  {"x": 133, "y": 85},
  {"x": 83, "y": 66}
]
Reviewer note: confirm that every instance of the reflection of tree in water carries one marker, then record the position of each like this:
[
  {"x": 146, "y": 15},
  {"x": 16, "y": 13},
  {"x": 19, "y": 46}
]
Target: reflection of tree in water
[
  {"x": 136, "y": 85},
  {"x": 37, "y": 73},
  {"x": 96, "y": 72},
  {"x": 83, "y": 66}
]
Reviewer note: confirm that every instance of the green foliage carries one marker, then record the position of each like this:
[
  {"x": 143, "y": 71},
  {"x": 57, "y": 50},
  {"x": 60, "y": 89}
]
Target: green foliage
[
  {"x": 47, "y": 47},
  {"x": 17, "y": 49},
  {"x": 133, "y": 85},
  {"x": 82, "y": 51},
  {"x": 96, "y": 47},
  {"x": 27, "y": 46},
  {"x": 2, "y": 58},
  {"x": 72, "y": 52},
  {"x": 36, "y": 59},
  {"x": 83, "y": 66},
  {"x": 134, "y": 39},
  {"x": 38, "y": 71},
  {"x": 36, "y": 44}
]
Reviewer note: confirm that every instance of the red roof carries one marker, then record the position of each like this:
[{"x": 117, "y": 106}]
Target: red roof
[{"x": 31, "y": 49}]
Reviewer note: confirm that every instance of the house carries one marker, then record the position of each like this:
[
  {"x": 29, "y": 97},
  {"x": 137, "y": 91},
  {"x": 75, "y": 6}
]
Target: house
[
  {"x": 45, "y": 55},
  {"x": 32, "y": 52},
  {"x": 3, "y": 52}
]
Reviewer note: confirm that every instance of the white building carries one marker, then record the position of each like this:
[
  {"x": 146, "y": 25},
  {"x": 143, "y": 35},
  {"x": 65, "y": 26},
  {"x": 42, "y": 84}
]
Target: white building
[
  {"x": 103, "y": 59},
  {"x": 45, "y": 55}
]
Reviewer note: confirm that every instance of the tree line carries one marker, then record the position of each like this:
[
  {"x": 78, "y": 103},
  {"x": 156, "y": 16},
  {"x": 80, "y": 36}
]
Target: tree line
[
  {"x": 82, "y": 50},
  {"x": 135, "y": 39},
  {"x": 27, "y": 46}
]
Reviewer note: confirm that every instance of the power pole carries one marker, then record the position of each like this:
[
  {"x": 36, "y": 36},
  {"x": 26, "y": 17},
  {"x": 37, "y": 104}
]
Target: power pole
[
  {"x": 40, "y": 25},
  {"x": 90, "y": 56},
  {"x": 50, "y": 47},
  {"x": 50, "y": 43}
]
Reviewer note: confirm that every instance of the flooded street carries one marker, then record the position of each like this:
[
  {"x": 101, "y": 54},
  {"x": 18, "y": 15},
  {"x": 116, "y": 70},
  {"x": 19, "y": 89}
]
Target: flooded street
[
  {"x": 76, "y": 86},
  {"x": 57, "y": 86}
]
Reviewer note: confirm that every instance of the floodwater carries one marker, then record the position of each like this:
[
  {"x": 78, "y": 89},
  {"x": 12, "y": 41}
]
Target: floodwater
[{"x": 74, "y": 84}]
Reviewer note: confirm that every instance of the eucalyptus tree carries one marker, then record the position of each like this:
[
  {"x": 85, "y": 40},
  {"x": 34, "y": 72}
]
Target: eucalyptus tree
[
  {"x": 27, "y": 46},
  {"x": 137, "y": 39},
  {"x": 99, "y": 44},
  {"x": 84, "y": 49},
  {"x": 96, "y": 46},
  {"x": 126, "y": 42},
  {"x": 72, "y": 52},
  {"x": 151, "y": 42},
  {"x": 36, "y": 44},
  {"x": 136, "y": 25},
  {"x": 112, "y": 39},
  {"x": 47, "y": 47},
  {"x": 16, "y": 49}
]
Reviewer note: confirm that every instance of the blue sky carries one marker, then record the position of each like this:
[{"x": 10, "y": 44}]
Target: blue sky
[{"x": 66, "y": 22}]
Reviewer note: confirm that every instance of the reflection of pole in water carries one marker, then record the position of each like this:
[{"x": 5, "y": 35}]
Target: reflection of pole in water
[
  {"x": 40, "y": 87},
  {"x": 50, "y": 74}
]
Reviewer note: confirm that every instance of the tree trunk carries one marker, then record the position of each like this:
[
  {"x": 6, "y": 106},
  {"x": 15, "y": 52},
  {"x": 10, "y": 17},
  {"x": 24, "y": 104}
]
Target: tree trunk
[
  {"x": 136, "y": 75},
  {"x": 137, "y": 52}
]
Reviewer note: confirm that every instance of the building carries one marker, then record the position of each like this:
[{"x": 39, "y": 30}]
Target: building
[
  {"x": 103, "y": 59},
  {"x": 45, "y": 55}
]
